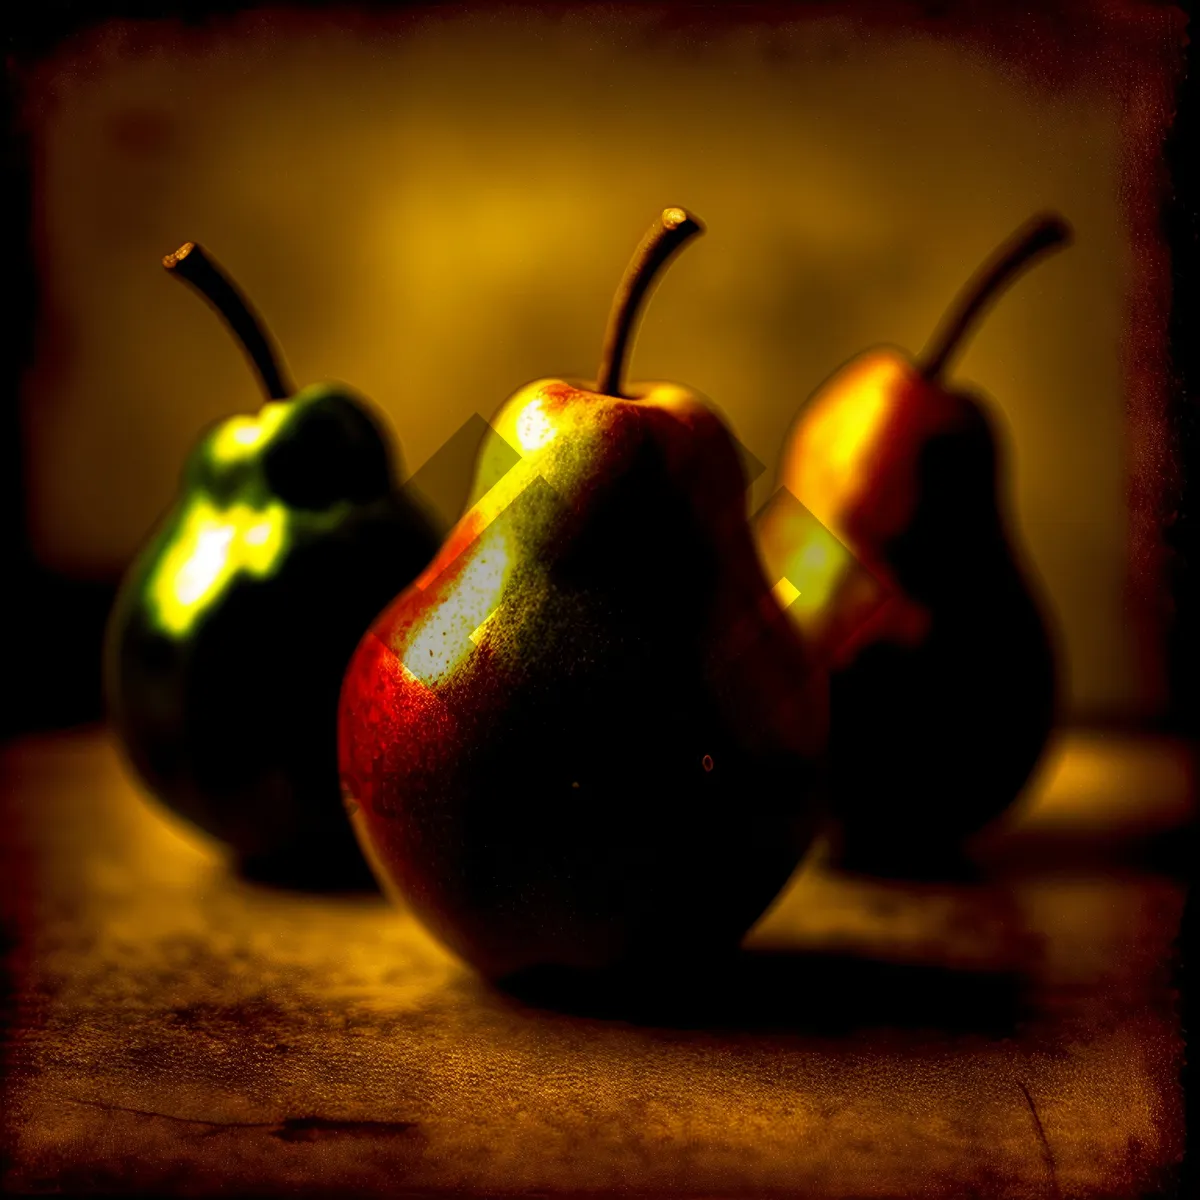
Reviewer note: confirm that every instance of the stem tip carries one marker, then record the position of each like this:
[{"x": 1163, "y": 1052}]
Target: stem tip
[
  {"x": 192, "y": 264},
  {"x": 670, "y": 231},
  {"x": 172, "y": 260},
  {"x": 1040, "y": 234}
]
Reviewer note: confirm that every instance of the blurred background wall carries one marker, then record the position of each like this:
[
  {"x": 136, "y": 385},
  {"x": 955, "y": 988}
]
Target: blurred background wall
[{"x": 436, "y": 204}]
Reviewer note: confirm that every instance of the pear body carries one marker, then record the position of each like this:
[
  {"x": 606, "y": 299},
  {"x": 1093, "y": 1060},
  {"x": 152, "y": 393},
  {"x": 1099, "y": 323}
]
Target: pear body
[
  {"x": 233, "y": 625},
  {"x": 944, "y": 696},
  {"x": 587, "y": 737}
]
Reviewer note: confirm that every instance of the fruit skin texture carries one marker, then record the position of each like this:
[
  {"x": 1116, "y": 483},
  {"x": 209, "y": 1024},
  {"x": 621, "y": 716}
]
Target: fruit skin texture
[
  {"x": 232, "y": 628},
  {"x": 943, "y": 699},
  {"x": 621, "y": 765}
]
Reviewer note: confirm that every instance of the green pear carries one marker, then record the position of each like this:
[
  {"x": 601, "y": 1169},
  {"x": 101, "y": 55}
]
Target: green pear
[{"x": 234, "y": 623}]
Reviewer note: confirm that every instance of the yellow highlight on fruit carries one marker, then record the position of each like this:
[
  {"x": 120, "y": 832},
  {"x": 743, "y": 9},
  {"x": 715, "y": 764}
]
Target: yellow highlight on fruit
[
  {"x": 815, "y": 567},
  {"x": 785, "y": 591},
  {"x": 534, "y": 427},
  {"x": 456, "y": 626},
  {"x": 834, "y": 437},
  {"x": 212, "y": 545},
  {"x": 237, "y": 436},
  {"x": 806, "y": 559}
]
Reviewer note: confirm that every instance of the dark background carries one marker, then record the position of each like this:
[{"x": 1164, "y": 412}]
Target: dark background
[{"x": 59, "y": 599}]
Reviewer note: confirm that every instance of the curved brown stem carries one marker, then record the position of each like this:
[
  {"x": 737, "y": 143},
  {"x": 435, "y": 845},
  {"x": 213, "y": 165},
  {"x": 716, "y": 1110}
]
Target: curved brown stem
[
  {"x": 672, "y": 229},
  {"x": 192, "y": 263},
  {"x": 1040, "y": 234}
]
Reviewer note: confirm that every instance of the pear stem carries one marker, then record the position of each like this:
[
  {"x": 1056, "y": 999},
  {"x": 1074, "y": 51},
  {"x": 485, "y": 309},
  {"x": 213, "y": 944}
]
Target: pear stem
[
  {"x": 1040, "y": 234},
  {"x": 192, "y": 264},
  {"x": 673, "y": 227}
]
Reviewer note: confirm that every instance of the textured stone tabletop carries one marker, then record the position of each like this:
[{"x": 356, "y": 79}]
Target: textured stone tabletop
[{"x": 173, "y": 1029}]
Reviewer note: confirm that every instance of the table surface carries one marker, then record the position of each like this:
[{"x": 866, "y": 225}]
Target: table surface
[{"x": 176, "y": 1029}]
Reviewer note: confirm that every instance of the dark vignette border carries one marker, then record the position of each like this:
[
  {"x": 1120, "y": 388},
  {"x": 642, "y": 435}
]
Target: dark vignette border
[{"x": 37, "y": 690}]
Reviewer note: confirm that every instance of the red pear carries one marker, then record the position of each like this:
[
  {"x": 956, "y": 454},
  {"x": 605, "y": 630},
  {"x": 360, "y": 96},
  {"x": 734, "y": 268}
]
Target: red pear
[
  {"x": 943, "y": 691},
  {"x": 587, "y": 736}
]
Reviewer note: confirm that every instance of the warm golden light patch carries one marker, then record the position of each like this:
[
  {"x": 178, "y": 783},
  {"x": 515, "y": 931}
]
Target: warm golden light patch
[
  {"x": 534, "y": 427},
  {"x": 836, "y": 437},
  {"x": 521, "y": 426},
  {"x": 1102, "y": 777},
  {"x": 260, "y": 534},
  {"x": 204, "y": 565},
  {"x": 480, "y": 632},
  {"x": 240, "y": 434},
  {"x": 808, "y": 561},
  {"x": 816, "y": 566},
  {"x": 453, "y": 630},
  {"x": 211, "y": 546},
  {"x": 785, "y": 592}
]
